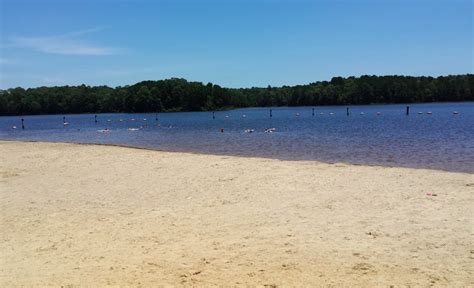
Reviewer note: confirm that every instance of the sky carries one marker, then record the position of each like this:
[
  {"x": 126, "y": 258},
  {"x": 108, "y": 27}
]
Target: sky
[{"x": 232, "y": 43}]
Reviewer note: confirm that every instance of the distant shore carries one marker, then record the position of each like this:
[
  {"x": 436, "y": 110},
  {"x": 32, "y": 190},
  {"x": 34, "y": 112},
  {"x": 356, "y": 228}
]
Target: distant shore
[
  {"x": 102, "y": 215},
  {"x": 178, "y": 94}
]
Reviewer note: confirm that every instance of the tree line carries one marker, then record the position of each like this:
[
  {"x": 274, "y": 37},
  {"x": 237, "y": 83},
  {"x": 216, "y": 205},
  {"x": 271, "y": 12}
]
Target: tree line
[{"x": 177, "y": 94}]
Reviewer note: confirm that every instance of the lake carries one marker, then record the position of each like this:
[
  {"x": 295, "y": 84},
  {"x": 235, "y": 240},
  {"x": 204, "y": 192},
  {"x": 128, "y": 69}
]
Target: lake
[{"x": 432, "y": 136}]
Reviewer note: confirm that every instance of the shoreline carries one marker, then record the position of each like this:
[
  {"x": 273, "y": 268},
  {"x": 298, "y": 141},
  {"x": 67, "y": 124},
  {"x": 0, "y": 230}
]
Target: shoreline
[
  {"x": 251, "y": 107},
  {"x": 230, "y": 155},
  {"x": 88, "y": 214}
]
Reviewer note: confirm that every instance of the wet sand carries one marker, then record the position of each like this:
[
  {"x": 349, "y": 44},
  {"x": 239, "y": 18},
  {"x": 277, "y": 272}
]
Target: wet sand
[{"x": 100, "y": 215}]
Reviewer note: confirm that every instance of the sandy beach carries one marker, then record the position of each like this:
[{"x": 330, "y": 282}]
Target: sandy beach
[{"x": 78, "y": 215}]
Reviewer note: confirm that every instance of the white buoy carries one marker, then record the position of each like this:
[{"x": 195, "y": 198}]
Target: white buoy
[
  {"x": 455, "y": 112},
  {"x": 66, "y": 123},
  {"x": 429, "y": 112},
  {"x": 419, "y": 113},
  {"x": 332, "y": 113},
  {"x": 14, "y": 127},
  {"x": 362, "y": 113},
  {"x": 378, "y": 113}
]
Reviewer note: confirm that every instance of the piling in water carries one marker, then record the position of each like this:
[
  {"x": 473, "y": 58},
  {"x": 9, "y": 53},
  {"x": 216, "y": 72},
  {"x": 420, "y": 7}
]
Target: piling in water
[
  {"x": 312, "y": 112},
  {"x": 347, "y": 111},
  {"x": 213, "y": 116},
  {"x": 408, "y": 110},
  {"x": 95, "y": 119},
  {"x": 22, "y": 123},
  {"x": 271, "y": 115}
]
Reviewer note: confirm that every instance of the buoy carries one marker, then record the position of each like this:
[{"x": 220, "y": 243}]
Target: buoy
[
  {"x": 249, "y": 130},
  {"x": 144, "y": 119},
  {"x": 66, "y": 123},
  {"x": 362, "y": 113},
  {"x": 331, "y": 113},
  {"x": 133, "y": 129},
  {"x": 322, "y": 113},
  {"x": 455, "y": 112},
  {"x": 378, "y": 113},
  {"x": 419, "y": 113},
  {"x": 429, "y": 113},
  {"x": 243, "y": 116},
  {"x": 297, "y": 114},
  {"x": 14, "y": 127},
  {"x": 108, "y": 120}
]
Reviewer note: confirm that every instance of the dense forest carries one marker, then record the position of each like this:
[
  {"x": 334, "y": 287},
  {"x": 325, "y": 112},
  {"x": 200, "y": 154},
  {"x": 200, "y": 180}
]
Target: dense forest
[{"x": 181, "y": 95}]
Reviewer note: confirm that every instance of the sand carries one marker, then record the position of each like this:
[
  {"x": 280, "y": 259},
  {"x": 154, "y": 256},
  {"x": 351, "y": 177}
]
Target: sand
[{"x": 78, "y": 215}]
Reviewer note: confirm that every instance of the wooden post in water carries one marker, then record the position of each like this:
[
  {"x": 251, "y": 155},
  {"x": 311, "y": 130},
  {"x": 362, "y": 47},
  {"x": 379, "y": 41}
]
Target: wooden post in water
[
  {"x": 95, "y": 119},
  {"x": 271, "y": 115},
  {"x": 347, "y": 111},
  {"x": 156, "y": 116},
  {"x": 22, "y": 123},
  {"x": 213, "y": 116},
  {"x": 64, "y": 119},
  {"x": 408, "y": 110},
  {"x": 312, "y": 112}
]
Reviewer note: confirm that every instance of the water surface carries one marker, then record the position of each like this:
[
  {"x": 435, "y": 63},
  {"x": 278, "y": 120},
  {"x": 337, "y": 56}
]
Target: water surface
[{"x": 375, "y": 135}]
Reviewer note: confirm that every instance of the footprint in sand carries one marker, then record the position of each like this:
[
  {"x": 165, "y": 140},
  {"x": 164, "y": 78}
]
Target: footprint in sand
[
  {"x": 364, "y": 268},
  {"x": 9, "y": 174}
]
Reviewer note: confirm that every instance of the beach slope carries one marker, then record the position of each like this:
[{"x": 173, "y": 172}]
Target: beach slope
[{"x": 101, "y": 215}]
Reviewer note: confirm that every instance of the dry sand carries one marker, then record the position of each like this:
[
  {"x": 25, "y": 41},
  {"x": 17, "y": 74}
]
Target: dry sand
[{"x": 101, "y": 215}]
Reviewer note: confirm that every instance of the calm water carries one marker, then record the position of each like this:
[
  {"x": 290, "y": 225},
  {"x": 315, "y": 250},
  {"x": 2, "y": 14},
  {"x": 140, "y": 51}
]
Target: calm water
[{"x": 439, "y": 141}]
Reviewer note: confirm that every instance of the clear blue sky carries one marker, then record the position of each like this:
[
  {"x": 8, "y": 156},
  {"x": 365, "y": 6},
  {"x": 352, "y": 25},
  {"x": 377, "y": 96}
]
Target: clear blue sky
[{"x": 230, "y": 43}]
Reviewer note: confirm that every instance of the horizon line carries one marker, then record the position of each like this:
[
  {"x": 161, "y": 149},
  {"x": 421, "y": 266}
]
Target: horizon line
[{"x": 247, "y": 87}]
